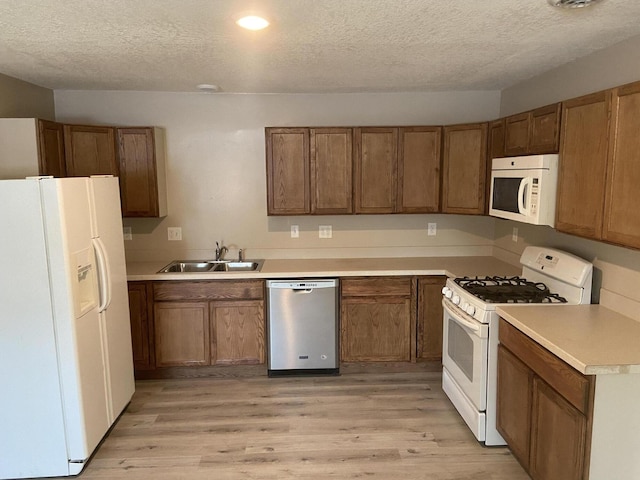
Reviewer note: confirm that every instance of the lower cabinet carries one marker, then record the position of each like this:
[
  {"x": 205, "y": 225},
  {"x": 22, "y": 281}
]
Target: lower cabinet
[
  {"x": 196, "y": 323},
  {"x": 429, "y": 318},
  {"x": 376, "y": 318},
  {"x": 545, "y": 408}
]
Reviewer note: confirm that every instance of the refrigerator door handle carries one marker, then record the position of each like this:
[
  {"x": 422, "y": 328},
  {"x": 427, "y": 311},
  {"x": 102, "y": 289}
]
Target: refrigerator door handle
[{"x": 104, "y": 275}]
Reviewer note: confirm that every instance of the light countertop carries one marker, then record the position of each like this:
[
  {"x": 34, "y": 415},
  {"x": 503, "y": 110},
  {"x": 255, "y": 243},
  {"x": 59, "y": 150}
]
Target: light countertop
[
  {"x": 339, "y": 267},
  {"x": 592, "y": 339}
]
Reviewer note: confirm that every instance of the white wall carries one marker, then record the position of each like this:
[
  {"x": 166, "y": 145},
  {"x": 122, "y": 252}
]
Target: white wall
[
  {"x": 217, "y": 180},
  {"x": 20, "y": 99}
]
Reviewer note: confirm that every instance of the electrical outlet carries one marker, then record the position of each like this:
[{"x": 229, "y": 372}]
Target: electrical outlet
[
  {"x": 324, "y": 231},
  {"x": 126, "y": 233},
  {"x": 514, "y": 234},
  {"x": 432, "y": 229},
  {"x": 295, "y": 231},
  {"x": 174, "y": 233}
]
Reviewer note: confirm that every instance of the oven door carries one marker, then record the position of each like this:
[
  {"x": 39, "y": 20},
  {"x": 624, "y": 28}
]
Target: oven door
[{"x": 465, "y": 353}]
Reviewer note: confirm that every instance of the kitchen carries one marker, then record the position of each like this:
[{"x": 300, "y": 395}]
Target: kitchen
[{"x": 215, "y": 149}]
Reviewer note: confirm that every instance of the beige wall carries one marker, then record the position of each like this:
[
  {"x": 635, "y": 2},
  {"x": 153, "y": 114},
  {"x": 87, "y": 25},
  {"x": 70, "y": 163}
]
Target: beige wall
[
  {"x": 217, "y": 181},
  {"x": 20, "y": 99},
  {"x": 617, "y": 268}
]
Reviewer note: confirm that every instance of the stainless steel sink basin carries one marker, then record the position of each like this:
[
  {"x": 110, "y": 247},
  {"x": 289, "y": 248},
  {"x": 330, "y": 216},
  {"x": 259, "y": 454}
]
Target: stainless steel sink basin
[{"x": 205, "y": 266}]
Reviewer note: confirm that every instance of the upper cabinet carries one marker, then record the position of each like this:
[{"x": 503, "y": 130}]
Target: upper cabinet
[
  {"x": 287, "y": 171},
  {"x": 496, "y": 150},
  {"x": 464, "y": 168},
  {"x": 142, "y": 171},
  {"x": 583, "y": 165},
  {"x": 31, "y": 147},
  {"x": 419, "y": 160},
  {"x": 621, "y": 213},
  {"x": 331, "y": 170},
  {"x": 532, "y": 132},
  {"x": 376, "y": 167},
  {"x": 90, "y": 150}
]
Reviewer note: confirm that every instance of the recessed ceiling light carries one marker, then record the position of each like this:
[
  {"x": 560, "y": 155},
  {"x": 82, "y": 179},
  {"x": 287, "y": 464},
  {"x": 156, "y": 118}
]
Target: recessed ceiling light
[
  {"x": 572, "y": 3},
  {"x": 208, "y": 88},
  {"x": 252, "y": 22}
]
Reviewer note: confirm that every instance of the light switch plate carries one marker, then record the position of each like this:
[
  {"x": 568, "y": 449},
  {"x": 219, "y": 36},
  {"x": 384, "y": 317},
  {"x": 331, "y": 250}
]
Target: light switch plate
[
  {"x": 126, "y": 233},
  {"x": 324, "y": 231},
  {"x": 174, "y": 233},
  {"x": 432, "y": 229},
  {"x": 295, "y": 231}
]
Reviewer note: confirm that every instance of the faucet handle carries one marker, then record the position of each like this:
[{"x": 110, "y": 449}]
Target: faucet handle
[{"x": 241, "y": 255}]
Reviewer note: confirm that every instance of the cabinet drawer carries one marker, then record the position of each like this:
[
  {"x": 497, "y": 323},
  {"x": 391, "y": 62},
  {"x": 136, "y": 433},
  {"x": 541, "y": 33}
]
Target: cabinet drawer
[
  {"x": 208, "y": 290},
  {"x": 570, "y": 383},
  {"x": 376, "y": 286}
]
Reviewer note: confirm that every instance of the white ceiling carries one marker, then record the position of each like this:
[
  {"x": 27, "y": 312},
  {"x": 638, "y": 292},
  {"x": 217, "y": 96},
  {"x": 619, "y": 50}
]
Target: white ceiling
[{"x": 311, "y": 46}]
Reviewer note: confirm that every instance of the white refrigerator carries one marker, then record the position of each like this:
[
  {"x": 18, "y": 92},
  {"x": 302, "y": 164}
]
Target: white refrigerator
[{"x": 66, "y": 366}]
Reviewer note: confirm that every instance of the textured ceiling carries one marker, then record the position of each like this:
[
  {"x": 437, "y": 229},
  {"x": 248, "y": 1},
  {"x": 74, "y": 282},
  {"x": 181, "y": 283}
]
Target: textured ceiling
[{"x": 311, "y": 46}]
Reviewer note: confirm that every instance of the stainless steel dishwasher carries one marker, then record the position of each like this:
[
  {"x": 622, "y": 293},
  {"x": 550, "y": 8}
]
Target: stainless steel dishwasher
[{"x": 302, "y": 319}]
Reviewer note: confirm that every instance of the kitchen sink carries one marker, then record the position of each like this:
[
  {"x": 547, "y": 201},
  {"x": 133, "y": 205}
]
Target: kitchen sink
[{"x": 209, "y": 266}]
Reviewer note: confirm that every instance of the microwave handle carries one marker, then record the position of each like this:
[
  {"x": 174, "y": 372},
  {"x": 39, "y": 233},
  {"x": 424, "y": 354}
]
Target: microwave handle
[{"x": 526, "y": 182}]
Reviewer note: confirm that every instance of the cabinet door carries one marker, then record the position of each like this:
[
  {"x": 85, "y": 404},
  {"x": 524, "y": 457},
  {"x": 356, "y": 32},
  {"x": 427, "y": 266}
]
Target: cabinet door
[
  {"x": 558, "y": 436},
  {"x": 237, "y": 332},
  {"x": 496, "y": 150},
  {"x": 181, "y": 333},
  {"x": 331, "y": 170},
  {"x": 583, "y": 154},
  {"x": 419, "y": 169},
  {"x": 516, "y": 138},
  {"x": 622, "y": 215},
  {"x": 375, "y": 329},
  {"x": 375, "y": 169},
  {"x": 515, "y": 386},
  {"x": 464, "y": 164},
  {"x": 544, "y": 132},
  {"x": 140, "y": 331},
  {"x": 429, "y": 318},
  {"x": 138, "y": 175},
  {"x": 90, "y": 150},
  {"x": 51, "y": 149},
  {"x": 287, "y": 171}
]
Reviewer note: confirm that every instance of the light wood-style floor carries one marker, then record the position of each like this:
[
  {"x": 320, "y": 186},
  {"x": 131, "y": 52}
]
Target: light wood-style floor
[{"x": 384, "y": 425}]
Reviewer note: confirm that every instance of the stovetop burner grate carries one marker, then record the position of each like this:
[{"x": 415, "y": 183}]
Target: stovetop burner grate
[{"x": 508, "y": 290}]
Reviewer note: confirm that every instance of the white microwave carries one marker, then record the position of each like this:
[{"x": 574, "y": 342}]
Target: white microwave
[{"x": 524, "y": 189}]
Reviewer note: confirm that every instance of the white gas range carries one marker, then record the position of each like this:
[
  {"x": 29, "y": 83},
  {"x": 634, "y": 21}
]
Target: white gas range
[{"x": 470, "y": 340}]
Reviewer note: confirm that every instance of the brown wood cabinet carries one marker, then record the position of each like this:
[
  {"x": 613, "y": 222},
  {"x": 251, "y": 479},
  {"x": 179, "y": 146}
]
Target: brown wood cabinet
[
  {"x": 418, "y": 174},
  {"x": 142, "y": 172},
  {"x": 429, "y": 317},
  {"x": 218, "y": 322},
  {"x": 535, "y": 131},
  {"x": 376, "y": 317},
  {"x": 464, "y": 168},
  {"x": 376, "y": 169},
  {"x": 140, "y": 311},
  {"x": 331, "y": 170},
  {"x": 583, "y": 165},
  {"x": 621, "y": 214},
  {"x": 90, "y": 150},
  {"x": 288, "y": 186},
  {"x": 51, "y": 148},
  {"x": 545, "y": 408}
]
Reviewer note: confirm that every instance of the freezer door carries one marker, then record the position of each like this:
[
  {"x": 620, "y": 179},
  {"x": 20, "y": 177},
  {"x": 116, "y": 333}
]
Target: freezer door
[
  {"x": 116, "y": 325},
  {"x": 72, "y": 271}
]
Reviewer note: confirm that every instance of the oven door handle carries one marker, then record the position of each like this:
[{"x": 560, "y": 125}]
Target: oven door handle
[{"x": 462, "y": 321}]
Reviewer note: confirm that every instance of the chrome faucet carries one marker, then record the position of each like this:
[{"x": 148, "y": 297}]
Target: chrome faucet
[
  {"x": 220, "y": 251},
  {"x": 241, "y": 255}
]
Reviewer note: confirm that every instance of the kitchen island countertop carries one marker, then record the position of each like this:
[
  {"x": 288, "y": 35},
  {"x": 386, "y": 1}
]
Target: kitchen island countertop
[
  {"x": 591, "y": 338},
  {"x": 339, "y": 267}
]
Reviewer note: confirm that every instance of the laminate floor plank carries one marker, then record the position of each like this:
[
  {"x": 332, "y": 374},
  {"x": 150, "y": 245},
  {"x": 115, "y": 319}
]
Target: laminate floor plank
[{"x": 385, "y": 425}]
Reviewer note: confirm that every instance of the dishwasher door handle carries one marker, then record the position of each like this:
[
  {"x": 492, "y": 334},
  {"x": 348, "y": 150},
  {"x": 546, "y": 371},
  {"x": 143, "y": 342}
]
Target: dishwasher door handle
[{"x": 302, "y": 290}]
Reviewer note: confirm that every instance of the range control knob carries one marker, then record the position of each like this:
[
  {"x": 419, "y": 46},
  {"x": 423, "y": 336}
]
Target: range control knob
[
  {"x": 445, "y": 290},
  {"x": 464, "y": 306},
  {"x": 456, "y": 300},
  {"x": 470, "y": 310},
  {"x": 448, "y": 293}
]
